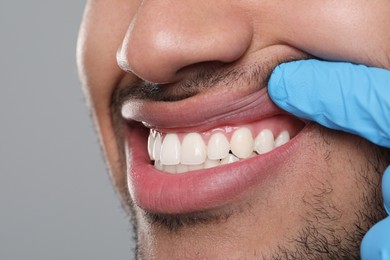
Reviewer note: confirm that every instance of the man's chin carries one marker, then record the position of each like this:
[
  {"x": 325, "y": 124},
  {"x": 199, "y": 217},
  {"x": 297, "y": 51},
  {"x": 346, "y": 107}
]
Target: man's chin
[{"x": 282, "y": 231}]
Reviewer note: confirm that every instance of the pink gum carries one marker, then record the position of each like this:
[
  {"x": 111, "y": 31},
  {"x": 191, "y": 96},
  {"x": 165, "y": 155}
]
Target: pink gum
[{"x": 276, "y": 124}]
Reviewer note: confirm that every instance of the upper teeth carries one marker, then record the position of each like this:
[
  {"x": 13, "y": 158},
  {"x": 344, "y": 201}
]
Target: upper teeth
[{"x": 178, "y": 153}]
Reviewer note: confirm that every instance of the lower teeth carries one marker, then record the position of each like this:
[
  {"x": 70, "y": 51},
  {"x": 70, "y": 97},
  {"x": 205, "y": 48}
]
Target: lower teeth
[{"x": 182, "y": 168}]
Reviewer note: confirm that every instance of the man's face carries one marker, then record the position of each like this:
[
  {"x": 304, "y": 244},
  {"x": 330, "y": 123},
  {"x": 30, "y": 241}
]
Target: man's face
[{"x": 193, "y": 75}]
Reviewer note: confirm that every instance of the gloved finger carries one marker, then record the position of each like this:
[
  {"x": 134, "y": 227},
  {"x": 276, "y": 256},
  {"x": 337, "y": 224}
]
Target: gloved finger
[
  {"x": 376, "y": 243},
  {"x": 386, "y": 190},
  {"x": 338, "y": 95}
]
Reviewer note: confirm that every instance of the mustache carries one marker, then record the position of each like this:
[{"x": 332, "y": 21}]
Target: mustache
[{"x": 203, "y": 79}]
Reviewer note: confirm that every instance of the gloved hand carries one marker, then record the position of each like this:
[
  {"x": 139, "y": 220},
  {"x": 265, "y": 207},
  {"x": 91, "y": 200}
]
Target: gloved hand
[{"x": 347, "y": 97}]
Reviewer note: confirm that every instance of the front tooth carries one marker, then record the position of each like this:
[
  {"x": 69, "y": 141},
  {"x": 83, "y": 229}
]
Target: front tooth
[
  {"x": 211, "y": 163},
  {"x": 282, "y": 139},
  {"x": 264, "y": 141},
  {"x": 180, "y": 168},
  {"x": 158, "y": 165},
  {"x": 170, "y": 150},
  {"x": 156, "y": 150},
  {"x": 170, "y": 168},
  {"x": 218, "y": 147},
  {"x": 193, "y": 150},
  {"x": 195, "y": 167},
  {"x": 241, "y": 143},
  {"x": 151, "y": 140},
  {"x": 229, "y": 159}
]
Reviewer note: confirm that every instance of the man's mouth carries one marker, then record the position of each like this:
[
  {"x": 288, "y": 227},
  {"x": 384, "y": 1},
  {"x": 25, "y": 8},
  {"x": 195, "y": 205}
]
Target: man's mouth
[
  {"x": 184, "y": 169},
  {"x": 183, "y": 152},
  {"x": 205, "y": 151}
]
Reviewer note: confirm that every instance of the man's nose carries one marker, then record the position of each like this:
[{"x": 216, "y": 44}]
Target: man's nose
[{"x": 168, "y": 37}]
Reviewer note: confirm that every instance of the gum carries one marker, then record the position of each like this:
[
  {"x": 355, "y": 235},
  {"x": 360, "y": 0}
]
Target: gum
[{"x": 276, "y": 124}]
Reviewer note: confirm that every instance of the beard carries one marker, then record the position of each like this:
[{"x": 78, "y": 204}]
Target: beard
[
  {"x": 322, "y": 233},
  {"x": 321, "y": 236}
]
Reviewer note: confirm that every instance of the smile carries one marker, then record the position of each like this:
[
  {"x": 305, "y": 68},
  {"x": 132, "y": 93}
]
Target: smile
[
  {"x": 184, "y": 152},
  {"x": 186, "y": 156},
  {"x": 205, "y": 166}
]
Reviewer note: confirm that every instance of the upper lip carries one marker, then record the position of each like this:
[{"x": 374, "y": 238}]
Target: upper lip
[
  {"x": 205, "y": 110},
  {"x": 199, "y": 115}
]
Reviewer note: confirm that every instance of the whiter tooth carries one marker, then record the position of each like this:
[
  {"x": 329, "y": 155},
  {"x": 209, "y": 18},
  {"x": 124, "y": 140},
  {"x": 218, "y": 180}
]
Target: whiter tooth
[
  {"x": 156, "y": 150},
  {"x": 158, "y": 165},
  {"x": 151, "y": 140},
  {"x": 193, "y": 149},
  {"x": 282, "y": 139},
  {"x": 180, "y": 168},
  {"x": 218, "y": 147},
  {"x": 170, "y": 168},
  {"x": 241, "y": 143},
  {"x": 264, "y": 141},
  {"x": 211, "y": 163},
  {"x": 170, "y": 150},
  {"x": 195, "y": 167},
  {"x": 229, "y": 159}
]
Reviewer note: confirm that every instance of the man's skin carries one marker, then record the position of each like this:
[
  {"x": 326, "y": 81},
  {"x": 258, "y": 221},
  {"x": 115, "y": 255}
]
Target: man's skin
[{"x": 316, "y": 202}]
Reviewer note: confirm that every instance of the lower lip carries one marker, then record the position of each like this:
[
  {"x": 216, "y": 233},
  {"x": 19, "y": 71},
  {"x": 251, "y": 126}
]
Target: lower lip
[{"x": 164, "y": 193}]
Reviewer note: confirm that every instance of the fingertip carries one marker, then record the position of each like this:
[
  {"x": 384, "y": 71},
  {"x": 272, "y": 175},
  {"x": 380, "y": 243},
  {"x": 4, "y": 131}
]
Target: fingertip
[
  {"x": 276, "y": 86},
  {"x": 375, "y": 244},
  {"x": 287, "y": 88},
  {"x": 286, "y": 79}
]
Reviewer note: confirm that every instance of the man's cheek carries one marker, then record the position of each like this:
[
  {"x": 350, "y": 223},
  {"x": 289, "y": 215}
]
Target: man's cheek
[{"x": 337, "y": 32}]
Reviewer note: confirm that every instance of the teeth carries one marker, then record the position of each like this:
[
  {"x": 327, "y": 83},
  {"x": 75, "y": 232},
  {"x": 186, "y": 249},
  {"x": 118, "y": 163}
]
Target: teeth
[
  {"x": 229, "y": 159},
  {"x": 193, "y": 149},
  {"x": 170, "y": 150},
  {"x": 264, "y": 142},
  {"x": 242, "y": 143},
  {"x": 156, "y": 148},
  {"x": 211, "y": 163},
  {"x": 195, "y": 167},
  {"x": 192, "y": 154},
  {"x": 282, "y": 139},
  {"x": 158, "y": 165},
  {"x": 180, "y": 168},
  {"x": 151, "y": 141},
  {"x": 170, "y": 168},
  {"x": 218, "y": 147}
]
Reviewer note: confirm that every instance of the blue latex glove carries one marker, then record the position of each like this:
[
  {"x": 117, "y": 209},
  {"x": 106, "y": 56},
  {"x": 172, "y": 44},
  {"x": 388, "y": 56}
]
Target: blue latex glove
[{"x": 347, "y": 97}]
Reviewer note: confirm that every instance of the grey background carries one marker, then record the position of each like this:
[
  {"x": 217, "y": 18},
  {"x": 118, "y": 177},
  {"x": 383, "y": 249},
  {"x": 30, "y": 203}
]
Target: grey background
[{"x": 56, "y": 200}]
